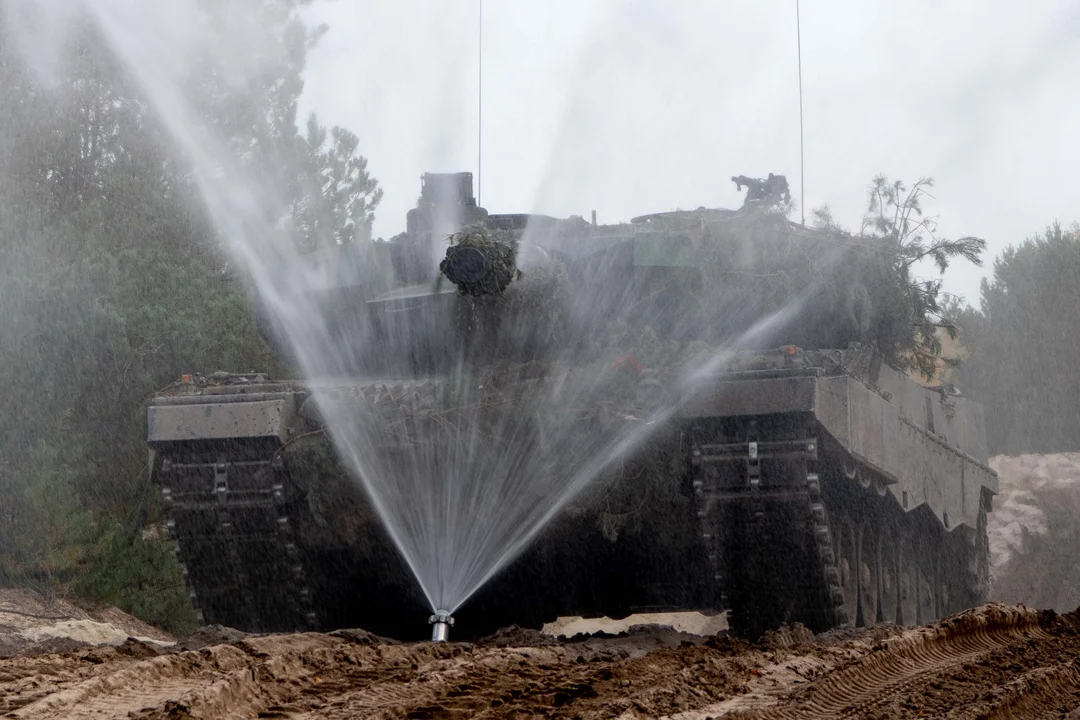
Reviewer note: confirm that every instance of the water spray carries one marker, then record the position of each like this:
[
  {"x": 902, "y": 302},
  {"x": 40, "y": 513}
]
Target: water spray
[{"x": 440, "y": 622}]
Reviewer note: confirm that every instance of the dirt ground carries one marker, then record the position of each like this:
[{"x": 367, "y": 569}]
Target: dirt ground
[
  {"x": 32, "y": 624},
  {"x": 998, "y": 661}
]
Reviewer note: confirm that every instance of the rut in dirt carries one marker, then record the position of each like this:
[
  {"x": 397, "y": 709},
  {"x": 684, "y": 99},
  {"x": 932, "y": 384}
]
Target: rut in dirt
[{"x": 992, "y": 662}]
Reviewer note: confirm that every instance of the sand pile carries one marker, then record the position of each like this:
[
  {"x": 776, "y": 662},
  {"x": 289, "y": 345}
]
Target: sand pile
[{"x": 30, "y": 623}]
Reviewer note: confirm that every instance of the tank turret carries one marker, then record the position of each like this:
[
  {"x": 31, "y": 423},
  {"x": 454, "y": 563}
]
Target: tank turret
[{"x": 446, "y": 204}]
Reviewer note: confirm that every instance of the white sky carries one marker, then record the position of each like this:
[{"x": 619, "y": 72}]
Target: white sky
[{"x": 636, "y": 106}]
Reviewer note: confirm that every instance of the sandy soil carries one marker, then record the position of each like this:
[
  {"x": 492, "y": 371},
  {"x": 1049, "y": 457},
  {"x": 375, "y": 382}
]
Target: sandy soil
[
  {"x": 995, "y": 662},
  {"x": 689, "y": 622},
  {"x": 31, "y": 624}
]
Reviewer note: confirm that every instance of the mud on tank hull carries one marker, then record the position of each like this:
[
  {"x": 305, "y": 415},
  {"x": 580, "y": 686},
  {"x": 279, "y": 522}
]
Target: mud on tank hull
[{"x": 794, "y": 486}]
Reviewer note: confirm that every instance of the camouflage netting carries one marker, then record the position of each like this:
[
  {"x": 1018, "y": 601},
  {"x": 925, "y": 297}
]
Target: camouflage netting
[
  {"x": 850, "y": 288},
  {"x": 755, "y": 265},
  {"x": 733, "y": 270}
]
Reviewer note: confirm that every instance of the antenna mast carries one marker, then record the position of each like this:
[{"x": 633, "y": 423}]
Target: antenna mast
[
  {"x": 802, "y": 156},
  {"x": 479, "y": 97}
]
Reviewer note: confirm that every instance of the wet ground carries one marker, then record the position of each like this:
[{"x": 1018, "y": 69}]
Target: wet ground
[{"x": 994, "y": 662}]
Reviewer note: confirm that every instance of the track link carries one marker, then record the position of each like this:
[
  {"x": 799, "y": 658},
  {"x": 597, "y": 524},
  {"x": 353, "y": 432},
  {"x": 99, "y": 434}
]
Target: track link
[
  {"x": 796, "y": 530},
  {"x": 233, "y": 521}
]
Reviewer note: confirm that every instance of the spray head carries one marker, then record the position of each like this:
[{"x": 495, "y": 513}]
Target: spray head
[{"x": 440, "y": 622}]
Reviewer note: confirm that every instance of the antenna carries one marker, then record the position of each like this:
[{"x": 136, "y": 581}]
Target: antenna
[
  {"x": 479, "y": 97},
  {"x": 802, "y": 156}
]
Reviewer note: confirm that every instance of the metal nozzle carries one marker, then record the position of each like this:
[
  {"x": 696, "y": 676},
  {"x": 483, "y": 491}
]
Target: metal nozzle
[{"x": 440, "y": 622}]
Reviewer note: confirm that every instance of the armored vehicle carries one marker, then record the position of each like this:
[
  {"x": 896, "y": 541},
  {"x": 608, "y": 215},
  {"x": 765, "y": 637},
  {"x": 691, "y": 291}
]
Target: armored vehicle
[{"x": 792, "y": 471}]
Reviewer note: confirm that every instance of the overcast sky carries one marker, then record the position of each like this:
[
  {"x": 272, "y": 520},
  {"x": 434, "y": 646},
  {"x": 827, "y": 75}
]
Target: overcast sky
[{"x": 636, "y": 106}]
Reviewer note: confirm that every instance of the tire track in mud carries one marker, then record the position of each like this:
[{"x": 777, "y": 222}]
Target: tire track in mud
[
  {"x": 1039, "y": 692},
  {"x": 899, "y": 666},
  {"x": 966, "y": 666}
]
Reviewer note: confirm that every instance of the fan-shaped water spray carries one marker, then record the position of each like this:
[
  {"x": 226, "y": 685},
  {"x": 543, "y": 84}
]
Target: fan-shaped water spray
[{"x": 464, "y": 462}]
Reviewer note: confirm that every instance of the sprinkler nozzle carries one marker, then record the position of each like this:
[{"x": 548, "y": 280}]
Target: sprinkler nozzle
[{"x": 440, "y": 622}]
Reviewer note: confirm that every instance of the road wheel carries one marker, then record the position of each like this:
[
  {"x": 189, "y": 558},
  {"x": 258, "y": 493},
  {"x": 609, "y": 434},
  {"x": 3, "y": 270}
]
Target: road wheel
[
  {"x": 889, "y": 554},
  {"x": 848, "y": 564},
  {"x": 869, "y": 575},
  {"x": 908, "y": 583}
]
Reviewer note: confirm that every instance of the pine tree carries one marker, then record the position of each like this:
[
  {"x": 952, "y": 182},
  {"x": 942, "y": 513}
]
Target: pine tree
[{"x": 112, "y": 282}]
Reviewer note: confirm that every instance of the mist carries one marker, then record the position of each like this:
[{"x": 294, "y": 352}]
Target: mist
[
  {"x": 183, "y": 185},
  {"x": 628, "y": 109}
]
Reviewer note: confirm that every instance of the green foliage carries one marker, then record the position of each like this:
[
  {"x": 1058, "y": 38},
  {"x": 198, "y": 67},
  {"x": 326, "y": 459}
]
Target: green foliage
[
  {"x": 139, "y": 575},
  {"x": 896, "y": 310},
  {"x": 337, "y": 196},
  {"x": 894, "y": 217},
  {"x": 1023, "y": 345},
  {"x": 45, "y": 533}
]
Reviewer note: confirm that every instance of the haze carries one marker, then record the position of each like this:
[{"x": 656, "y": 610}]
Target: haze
[{"x": 635, "y": 107}]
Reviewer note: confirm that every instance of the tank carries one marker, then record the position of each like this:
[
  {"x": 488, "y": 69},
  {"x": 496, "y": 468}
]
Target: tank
[{"x": 803, "y": 477}]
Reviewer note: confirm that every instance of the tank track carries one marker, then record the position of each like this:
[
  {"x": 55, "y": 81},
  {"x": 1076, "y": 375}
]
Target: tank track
[
  {"x": 233, "y": 521},
  {"x": 766, "y": 533},
  {"x": 795, "y": 530}
]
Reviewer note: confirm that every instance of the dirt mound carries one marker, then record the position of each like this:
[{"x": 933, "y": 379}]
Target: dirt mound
[
  {"x": 209, "y": 635},
  {"x": 787, "y": 636},
  {"x": 850, "y": 634},
  {"x": 362, "y": 637},
  {"x": 515, "y": 636},
  {"x": 50, "y": 645},
  {"x": 997, "y": 661},
  {"x": 33, "y": 624}
]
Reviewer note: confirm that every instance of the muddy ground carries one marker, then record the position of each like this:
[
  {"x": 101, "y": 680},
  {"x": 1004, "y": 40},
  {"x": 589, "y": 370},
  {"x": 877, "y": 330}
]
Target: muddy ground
[{"x": 994, "y": 662}]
